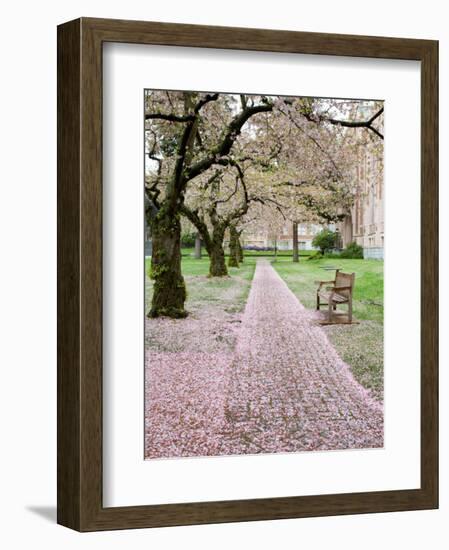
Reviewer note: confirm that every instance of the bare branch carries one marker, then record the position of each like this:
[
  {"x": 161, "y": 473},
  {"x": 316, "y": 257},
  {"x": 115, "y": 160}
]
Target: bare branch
[
  {"x": 350, "y": 123},
  {"x": 194, "y": 217},
  {"x": 227, "y": 199},
  {"x": 207, "y": 99},
  {"x": 170, "y": 117}
]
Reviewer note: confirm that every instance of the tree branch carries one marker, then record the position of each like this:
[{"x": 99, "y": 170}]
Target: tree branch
[
  {"x": 276, "y": 204},
  {"x": 170, "y": 117},
  {"x": 231, "y": 134},
  {"x": 220, "y": 201},
  {"x": 193, "y": 217},
  {"x": 353, "y": 124},
  {"x": 206, "y": 99},
  {"x": 329, "y": 156}
]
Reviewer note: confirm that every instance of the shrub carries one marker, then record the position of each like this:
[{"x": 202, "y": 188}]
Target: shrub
[
  {"x": 332, "y": 255},
  {"x": 352, "y": 251},
  {"x": 258, "y": 248},
  {"x": 188, "y": 240},
  {"x": 324, "y": 240}
]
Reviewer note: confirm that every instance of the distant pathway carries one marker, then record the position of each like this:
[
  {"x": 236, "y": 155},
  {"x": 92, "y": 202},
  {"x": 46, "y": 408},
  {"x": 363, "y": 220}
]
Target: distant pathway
[{"x": 288, "y": 388}]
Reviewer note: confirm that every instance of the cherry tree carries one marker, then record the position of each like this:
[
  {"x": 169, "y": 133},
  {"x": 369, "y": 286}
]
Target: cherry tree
[
  {"x": 213, "y": 205},
  {"x": 187, "y": 133},
  {"x": 273, "y": 163}
]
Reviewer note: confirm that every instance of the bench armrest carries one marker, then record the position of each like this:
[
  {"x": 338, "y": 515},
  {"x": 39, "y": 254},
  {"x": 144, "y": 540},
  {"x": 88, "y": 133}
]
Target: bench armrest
[
  {"x": 321, "y": 283},
  {"x": 337, "y": 288}
]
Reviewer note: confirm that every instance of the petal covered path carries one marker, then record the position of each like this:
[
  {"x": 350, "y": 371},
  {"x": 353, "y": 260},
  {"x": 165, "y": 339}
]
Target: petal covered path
[{"x": 284, "y": 389}]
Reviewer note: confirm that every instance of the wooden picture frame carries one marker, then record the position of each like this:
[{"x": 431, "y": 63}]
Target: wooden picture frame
[{"x": 80, "y": 503}]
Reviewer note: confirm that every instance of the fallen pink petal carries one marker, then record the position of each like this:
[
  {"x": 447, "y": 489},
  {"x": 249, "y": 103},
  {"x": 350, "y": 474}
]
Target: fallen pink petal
[{"x": 283, "y": 388}]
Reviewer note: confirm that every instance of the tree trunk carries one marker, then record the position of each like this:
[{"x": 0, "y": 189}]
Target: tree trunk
[
  {"x": 198, "y": 247},
  {"x": 239, "y": 249},
  {"x": 295, "y": 242},
  {"x": 169, "y": 293},
  {"x": 217, "y": 266},
  {"x": 233, "y": 247}
]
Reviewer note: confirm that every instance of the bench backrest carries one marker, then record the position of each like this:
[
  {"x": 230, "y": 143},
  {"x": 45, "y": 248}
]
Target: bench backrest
[{"x": 344, "y": 279}]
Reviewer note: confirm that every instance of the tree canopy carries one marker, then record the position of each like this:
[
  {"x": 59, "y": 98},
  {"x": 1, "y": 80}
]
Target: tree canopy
[{"x": 229, "y": 160}]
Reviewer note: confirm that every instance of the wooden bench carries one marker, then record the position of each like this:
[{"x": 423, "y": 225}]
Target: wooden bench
[{"x": 338, "y": 292}]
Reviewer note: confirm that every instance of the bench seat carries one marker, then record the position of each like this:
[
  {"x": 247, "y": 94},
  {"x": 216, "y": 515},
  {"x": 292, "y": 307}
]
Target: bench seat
[{"x": 335, "y": 297}]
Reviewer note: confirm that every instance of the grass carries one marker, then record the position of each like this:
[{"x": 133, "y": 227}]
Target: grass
[
  {"x": 359, "y": 345},
  {"x": 368, "y": 290},
  {"x": 231, "y": 292},
  {"x": 191, "y": 267}
]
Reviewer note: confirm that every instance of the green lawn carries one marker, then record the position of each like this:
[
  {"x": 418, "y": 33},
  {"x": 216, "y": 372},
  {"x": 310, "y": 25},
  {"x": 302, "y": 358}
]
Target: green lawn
[
  {"x": 368, "y": 290},
  {"x": 359, "y": 345},
  {"x": 190, "y": 267}
]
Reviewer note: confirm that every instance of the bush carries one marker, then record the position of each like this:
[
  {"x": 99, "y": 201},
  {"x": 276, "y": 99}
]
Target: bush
[
  {"x": 258, "y": 248},
  {"x": 188, "y": 240},
  {"x": 324, "y": 240},
  {"x": 352, "y": 251}
]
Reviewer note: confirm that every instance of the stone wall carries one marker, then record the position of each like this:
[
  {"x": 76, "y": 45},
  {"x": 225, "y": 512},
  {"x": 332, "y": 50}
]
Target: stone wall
[{"x": 373, "y": 253}]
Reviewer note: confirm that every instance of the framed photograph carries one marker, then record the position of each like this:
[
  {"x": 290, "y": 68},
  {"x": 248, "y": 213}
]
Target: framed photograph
[{"x": 247, "y": 274}]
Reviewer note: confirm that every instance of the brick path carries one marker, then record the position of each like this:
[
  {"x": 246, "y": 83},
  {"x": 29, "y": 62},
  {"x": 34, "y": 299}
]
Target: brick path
[{"x": 288, "y": 388}]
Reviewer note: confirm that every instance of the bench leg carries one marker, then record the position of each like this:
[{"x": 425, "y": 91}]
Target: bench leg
[
  {"x": 329, "y": 308},
  {"x": 350, "y": 310},
  {"x": 317, "y": 302}
]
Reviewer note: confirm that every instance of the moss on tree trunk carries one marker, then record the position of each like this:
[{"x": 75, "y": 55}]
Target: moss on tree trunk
[
  {"x": 239, "y": 250},
  {"x": 217, "y": 266},
  {"x": 233, "y": 260},
  {"x": 169, "y": 293}
]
